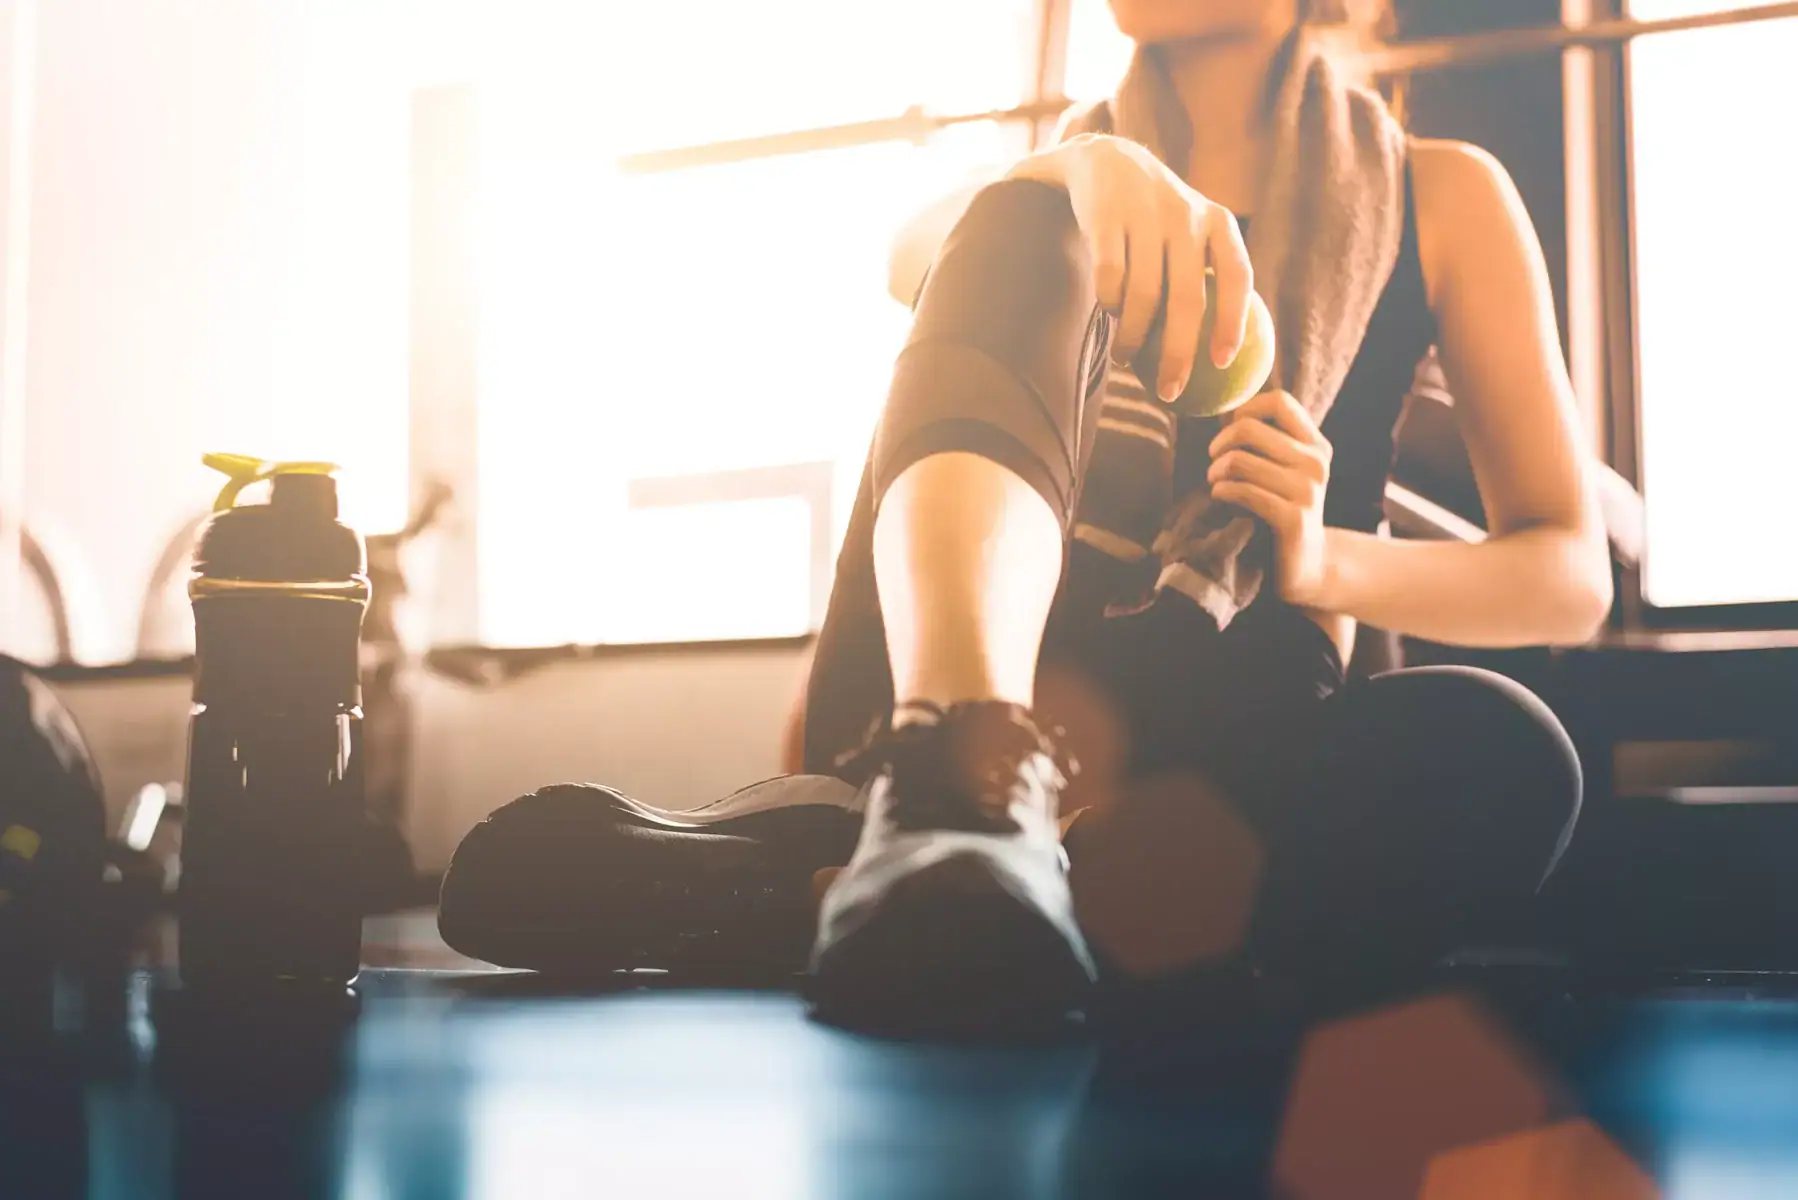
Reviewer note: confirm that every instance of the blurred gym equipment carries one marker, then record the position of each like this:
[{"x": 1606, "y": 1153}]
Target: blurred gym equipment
[
  {"x": 52, "y": 828},
  {"x": 42, "y": 579},
  {"x": 387, "y": 707}
]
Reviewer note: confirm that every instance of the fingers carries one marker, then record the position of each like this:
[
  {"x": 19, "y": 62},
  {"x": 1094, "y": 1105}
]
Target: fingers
[
  {"x": 1274, "y": 444},
  {"x": 1145, "y": 254},
  {"x": 1273, "y": 448},
  {"x": 1184, "y": 314},
  {"x": 1284, "y": 412},
  {"x": 1235, "y": 283},
  {"x": 1288, "y": 483},
  {"x": 1282, "y": 515},
  {"x": 1150, "y": 238},
  {"x": 1106, "y": 242},
  {"x": 1093, "y": 191}
]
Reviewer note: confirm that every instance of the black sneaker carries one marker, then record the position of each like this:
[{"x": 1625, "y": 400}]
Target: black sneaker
[
  {"x": 579, "y": 879},
  {"x": 953, "y": 917}
]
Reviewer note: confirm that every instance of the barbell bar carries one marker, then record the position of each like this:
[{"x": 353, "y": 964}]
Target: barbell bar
[
  {"x": 1388, "y": 62},
  {"x": 1497, "y": 45}
]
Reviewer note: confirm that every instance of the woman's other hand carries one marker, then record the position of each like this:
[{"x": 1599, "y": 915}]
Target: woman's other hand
[
  {"x": 1273, "y": 460},
  {"x": 1151, "y": 238}
]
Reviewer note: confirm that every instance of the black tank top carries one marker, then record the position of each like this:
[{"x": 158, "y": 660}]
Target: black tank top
[{"x": 1361, "y": 424}]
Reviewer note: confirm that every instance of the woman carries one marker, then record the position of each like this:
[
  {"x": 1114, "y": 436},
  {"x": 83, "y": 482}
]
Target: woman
[
  {"x": 1406, "y": 806},
  {"x": 1028, "y": 505}
]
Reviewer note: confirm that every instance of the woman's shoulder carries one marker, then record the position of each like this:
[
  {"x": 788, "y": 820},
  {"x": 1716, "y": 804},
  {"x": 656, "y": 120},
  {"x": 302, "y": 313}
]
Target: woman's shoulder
[
  {"x": 1448, "y": 163},
  {"x": 1465, "y": 201}
]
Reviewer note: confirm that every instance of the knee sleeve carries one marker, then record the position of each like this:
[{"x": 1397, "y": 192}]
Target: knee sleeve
[{"x": 1007, "y": 345}]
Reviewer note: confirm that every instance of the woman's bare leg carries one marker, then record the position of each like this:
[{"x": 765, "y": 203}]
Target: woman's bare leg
[
  {"x": 967, "y": 557},
  {"x": 954, "y": 912}
]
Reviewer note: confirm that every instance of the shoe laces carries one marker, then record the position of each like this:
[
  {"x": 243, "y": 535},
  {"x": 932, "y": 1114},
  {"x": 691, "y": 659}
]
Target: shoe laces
[{"x": 959, "y": 767}]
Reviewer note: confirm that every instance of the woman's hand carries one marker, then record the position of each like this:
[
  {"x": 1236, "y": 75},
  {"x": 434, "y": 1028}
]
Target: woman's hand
[
  {"x": 1272, "y": 460},
  {"x": 1151, "y": 237}
]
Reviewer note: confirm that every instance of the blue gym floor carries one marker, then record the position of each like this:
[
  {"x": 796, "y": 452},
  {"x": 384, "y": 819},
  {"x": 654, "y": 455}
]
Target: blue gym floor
[{"x": 447, "y": 1080}]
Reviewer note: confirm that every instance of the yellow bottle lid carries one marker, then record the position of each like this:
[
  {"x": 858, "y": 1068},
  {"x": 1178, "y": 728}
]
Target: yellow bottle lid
[{"x": 241, "y": 471}]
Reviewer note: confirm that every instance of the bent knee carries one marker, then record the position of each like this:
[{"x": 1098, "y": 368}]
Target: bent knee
[
  {"x": 1013, "y": 278},
  {"x": 1023, "y": 216},
  {"x": 1496, "y": 733}
]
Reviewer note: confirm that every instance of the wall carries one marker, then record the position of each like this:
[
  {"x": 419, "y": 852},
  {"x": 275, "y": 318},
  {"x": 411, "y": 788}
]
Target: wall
[
  {"x": 676, "y": 729},
  {"x": 217, "y": 262},
  {"x": 17, "y": 55},
  {"x": 673, "y": 728}
]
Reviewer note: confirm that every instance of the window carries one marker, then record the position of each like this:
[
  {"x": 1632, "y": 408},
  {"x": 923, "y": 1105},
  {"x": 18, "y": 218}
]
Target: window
[
  {"x": 715, "y": 320},
  {"x": 1715, "y": 254},
  {"x": 712, "y": 70},
  {"x": 708, "y": 331},
  {"x": 1097, "y": 52}
]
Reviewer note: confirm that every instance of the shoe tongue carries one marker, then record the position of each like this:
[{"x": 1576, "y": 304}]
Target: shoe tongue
[
  {"x": 974, "y": 746},
  {"x": 978, "y": 714},
  {"x": 993, "y": 727},
  {"x": 978, "y": 746}
]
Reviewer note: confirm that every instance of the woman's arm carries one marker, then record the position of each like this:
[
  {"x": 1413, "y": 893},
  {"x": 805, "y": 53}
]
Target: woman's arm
[{"x": 1543, "y": 576}]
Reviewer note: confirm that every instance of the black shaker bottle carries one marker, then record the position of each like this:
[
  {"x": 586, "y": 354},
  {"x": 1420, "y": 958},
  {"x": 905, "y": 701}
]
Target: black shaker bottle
[{"x": 276, "y": 813}]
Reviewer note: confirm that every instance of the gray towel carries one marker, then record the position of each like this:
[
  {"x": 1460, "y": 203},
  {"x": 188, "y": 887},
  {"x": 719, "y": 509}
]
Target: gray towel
[{"x": 1324, "y": 239}]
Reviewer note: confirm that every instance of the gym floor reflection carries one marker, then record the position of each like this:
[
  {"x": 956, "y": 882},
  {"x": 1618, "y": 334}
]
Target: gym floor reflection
[{"x": 462, "y": 1083}]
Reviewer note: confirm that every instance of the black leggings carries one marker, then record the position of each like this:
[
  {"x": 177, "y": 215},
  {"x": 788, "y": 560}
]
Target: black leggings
[{"x": 1398, "y": 813}]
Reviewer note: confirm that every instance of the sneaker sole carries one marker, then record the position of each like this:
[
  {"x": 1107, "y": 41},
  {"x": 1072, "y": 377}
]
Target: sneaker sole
[
  {"x": 951, "y": 953},
  {"x": 600, "y": 891}
]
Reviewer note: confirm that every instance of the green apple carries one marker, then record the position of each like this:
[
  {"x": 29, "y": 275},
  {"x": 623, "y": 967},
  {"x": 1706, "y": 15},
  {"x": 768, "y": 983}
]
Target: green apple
[{"x": 1213, "y": 391}]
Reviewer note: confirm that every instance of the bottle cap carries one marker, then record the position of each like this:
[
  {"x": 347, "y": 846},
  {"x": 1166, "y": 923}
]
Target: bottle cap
[
  {"x": 296, "y": 537},
  {"x": 241, "y": 471}
]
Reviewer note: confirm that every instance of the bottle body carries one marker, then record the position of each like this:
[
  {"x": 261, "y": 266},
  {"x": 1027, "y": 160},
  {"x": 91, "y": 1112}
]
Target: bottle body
[
  {"x": 274, "y": 823},
  {"x": 276, "y": 813}
]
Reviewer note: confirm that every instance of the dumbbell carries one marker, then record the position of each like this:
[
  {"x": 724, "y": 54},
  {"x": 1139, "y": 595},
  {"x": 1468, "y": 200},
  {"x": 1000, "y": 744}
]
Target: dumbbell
[
  {"x": 143, "y": 860},
  {"x": 52, "y": 830}
]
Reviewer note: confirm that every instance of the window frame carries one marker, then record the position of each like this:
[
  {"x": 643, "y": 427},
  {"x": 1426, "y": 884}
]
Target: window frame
[
  {"x": 1620, "y": 297},
  {"x": 1602, "y": 302}
]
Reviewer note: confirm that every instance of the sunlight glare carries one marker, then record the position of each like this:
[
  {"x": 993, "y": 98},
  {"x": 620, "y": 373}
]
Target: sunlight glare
[
  {"x": 1716, "y": 253},
  {"x": 695, "y": 321}
]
